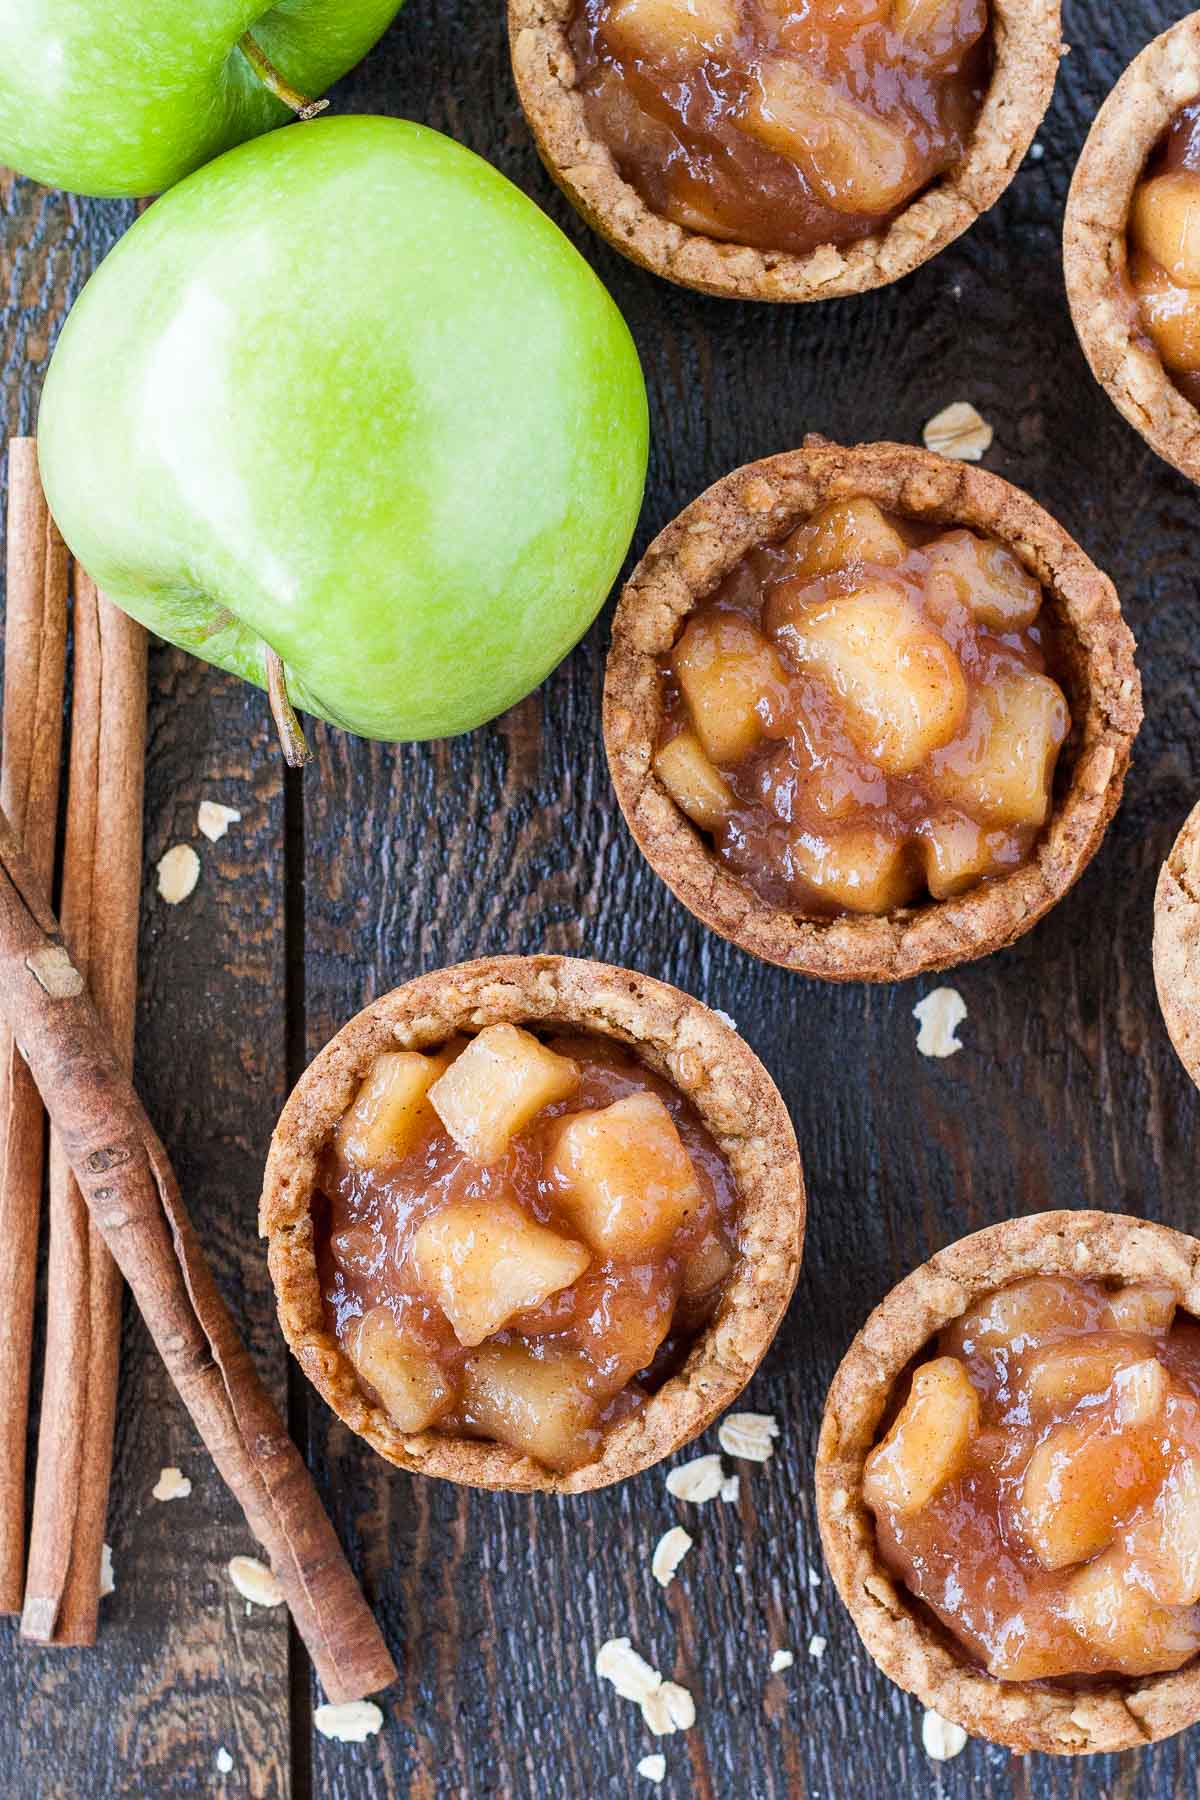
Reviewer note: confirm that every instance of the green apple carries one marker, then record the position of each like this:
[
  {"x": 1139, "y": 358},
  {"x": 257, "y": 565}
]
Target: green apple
[
  {"x": 347, "y": 397},
  {"x": 126, "y": 96}
]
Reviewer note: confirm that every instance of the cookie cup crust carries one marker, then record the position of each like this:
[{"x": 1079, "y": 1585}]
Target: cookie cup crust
[
  {"x": 673, "y": 1035},
  {"x": 1161, "y": 78},
  {"x": 1027, "y": 44},
  {"x": 760, "y": 504},
  {"x": 1177, "y": 943},
  {"x": 1047, "y": 1716}
]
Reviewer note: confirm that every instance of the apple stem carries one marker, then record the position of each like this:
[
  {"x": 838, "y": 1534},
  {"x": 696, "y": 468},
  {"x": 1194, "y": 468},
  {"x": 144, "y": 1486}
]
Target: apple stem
[
  {"x": 291, "y": 738},
  {"x": 269, "y": 75}
]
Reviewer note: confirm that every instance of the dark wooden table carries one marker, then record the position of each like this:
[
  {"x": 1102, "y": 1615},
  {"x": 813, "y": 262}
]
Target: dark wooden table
[{"x": 382, "y": 862}]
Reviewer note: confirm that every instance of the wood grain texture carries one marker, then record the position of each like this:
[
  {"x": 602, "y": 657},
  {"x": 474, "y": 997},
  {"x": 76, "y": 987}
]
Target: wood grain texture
[{"x": 1067, "y": 1092}]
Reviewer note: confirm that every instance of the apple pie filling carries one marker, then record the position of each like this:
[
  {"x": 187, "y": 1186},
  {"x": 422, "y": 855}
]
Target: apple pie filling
[
  {"x": 519, "y": 1239},
  {"x": 1039, "y": 1487},
  {"x": 1164, "y": 251},
  {"x": 783, "y": 124},
  {"x": 862, "y": 715}
]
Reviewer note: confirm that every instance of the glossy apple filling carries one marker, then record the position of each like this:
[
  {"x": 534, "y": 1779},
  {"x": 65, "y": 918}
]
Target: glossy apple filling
[
  {"x": 1039, "y": 1487},
  {"x": 1164, "y": 251},
  {"x": 785, "y": 124},
  {"x": 519, "y": 1239},
  {"x": 861, "y": 716}
]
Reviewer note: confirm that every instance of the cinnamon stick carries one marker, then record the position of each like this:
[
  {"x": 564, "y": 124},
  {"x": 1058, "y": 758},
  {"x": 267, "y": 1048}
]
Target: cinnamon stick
[
  {"x": 101, "y": 887},
  {"x": 35, "y": 641},
  {"x": 132, "y": 1195}
]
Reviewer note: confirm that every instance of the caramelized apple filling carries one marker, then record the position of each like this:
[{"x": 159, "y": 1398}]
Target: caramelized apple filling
[
  {"x": 1164, "y": 251},
  {"x": 861, "y": 716},
  {"x": 520, "y": 1239},
  {"x": 784, "y": 124},
  {"x": 1039, "y": 1487}
]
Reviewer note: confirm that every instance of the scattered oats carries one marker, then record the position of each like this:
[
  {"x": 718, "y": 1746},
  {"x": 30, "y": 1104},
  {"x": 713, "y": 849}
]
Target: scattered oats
[
  {"x": 697, "y": 1481},
  {"x": 669, "y": 1552},
  {"x": 224, "y": 1761},
  {"x": 178, "y": 873},
  {"x": 666, "y": 1706},
  {"x": 941, "y": 1738},
  {"x": 814, "y": 1580},
  {"x": 254, "y": 1581},
  {"x": 214, "y": 819},
  {"x": 958, "y": 431},
  {"x": 108, "y": 1579},
  {"x": 725, "y": 1018},
  {"x": 729, "y": 1489},
  {"x": 782, "y": 1659},
  {"x": 1036, "y": 152},
  {"x": 653, "y": 1767},
  {"x": 739, "y": 1568},
  {"x": 630, "y": 1674},
  {"x": 816, "y": 1647},
  {"x": 956, "y": 291},
  {"x": 669, "y": 1708},
  {"x": 351, "y": 1723},
  {"x": 172, "y": 1484},
  {"x": 939, "y": 1016},
  {"x": 748, "y": 1435}
]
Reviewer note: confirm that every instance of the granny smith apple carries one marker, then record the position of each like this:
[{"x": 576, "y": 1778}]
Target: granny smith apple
[
  {"x": 126, "y": 96},
  {"x": 347, "y": 399}
]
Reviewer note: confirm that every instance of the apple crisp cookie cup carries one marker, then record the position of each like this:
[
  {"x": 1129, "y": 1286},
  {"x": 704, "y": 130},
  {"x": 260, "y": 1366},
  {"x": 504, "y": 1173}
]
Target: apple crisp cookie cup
[
  {"x": 675, "y": 1037},
  {"x": 760, "y": 504},
  {"x": 1161, "y": 79},
  {"x": 1026, "y": 41},
  {"x": 1057, "y": 1716}
]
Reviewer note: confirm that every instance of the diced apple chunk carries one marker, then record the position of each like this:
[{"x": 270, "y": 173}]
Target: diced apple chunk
[
  {"x": 625, "y": 1180},
  {"x": 705, "y": 1266},
  {"x": 928, "y": 1442},
  {"x": 939, "y": 28},
  {"x": 1165, "y": 223},
  {"x": 1001, "y": 769},
  {"x": 858, "y": 869},
  {"x": 538, "y": 1405},
  {"x": 391, "y": 1110},
  {"x": 985, "y": 577},
  {"x": 1108, "y": 1608},
  {"x": 854, "y": 161},
  {"x": 1086, "y": 1477},
  {"x": 414, "y": 1390},
  {"x": 1144, "y": 1308},
  {"x": 696, "y": 786},
  {"x": 1021, "y": 1316},
  {"x": 484, "y": 1260},
  {"x": 727, "y": 671},
  {"x": 1056, "y": 1379},
  {"x": 502, "y": 1079},
  {"x": 1164, "y": 1544},
  {"x": 671, "y": 30},
  {"x": 898, "y": 682},
  {"x": 1170, "y": 313},
  {"x": 845, "y": 533},
  {"x": 956, "y": 854}
]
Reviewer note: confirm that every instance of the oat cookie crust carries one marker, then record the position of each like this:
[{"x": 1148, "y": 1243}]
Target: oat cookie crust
[
  {"x": 1044, "y": 1716},
  {"x": 1177, "y": 943},
  {"x": 1162, "y": 78},
  {"x": 761, "y": 503},
  {"x": 673, "y": 1035},
  {"x": 1027, "y": 44}
]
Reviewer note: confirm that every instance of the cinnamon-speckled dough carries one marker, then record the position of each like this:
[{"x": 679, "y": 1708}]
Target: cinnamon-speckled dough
[
  {"x": 1027, "y": 44},
  {"x": 675, "y": 1036},
  {"x": 1049, "y": 1716},
  {"x": 763, "y": 502}
]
